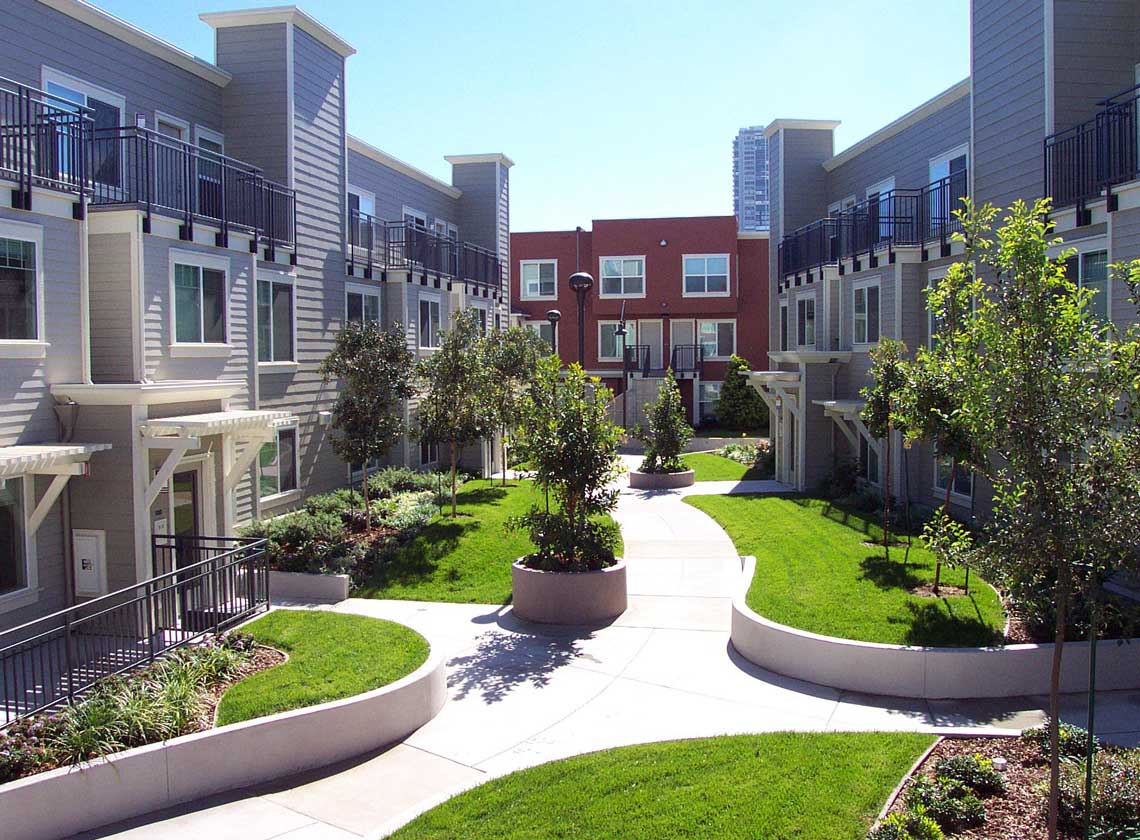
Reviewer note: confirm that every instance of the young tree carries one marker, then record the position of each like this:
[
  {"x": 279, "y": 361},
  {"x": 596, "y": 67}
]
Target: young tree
[
  {"x": 668, "y": 432},
  {"x": 888, "y": 372},
  {"x": 739, "y": 406},
  {"x": 375, "y": 367},
  {"x": 512, "y": 356},
  {"x": 1049, "y": 397},
  {"x": 453, "y": 408}
]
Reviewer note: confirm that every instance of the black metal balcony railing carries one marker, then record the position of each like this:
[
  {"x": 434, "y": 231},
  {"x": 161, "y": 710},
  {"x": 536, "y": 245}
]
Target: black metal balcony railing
[
  {"x": 1088, "y": 159},
  {"x": 898, "y": 218},
  {"x": 684, "y": 358},
  {"x": 376, "y": 243},
  {"x": 209, "y": 584},
  {"x": 688, "y": 358},
  {"x": 44, "y": 141}
]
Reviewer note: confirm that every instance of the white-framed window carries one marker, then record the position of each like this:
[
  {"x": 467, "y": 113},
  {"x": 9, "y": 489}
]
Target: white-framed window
[
  {"x": 949, "y": 163},
  {"x": 837, "y": 207},
  {"x": 356, "y": 471},
  {"x": 622, "y": 277},
  {"x": 199, "y": 288},
  {"x": 17, "y": 561},
  {"x": 276, "y": 318},
  {"x": 415, "y": 217},
  {"x": 361, "y": 304},
  {"x": 361, "y": 204},
  {"x": 717, "y": 339},
  {"x": 429, "y": 321},
  {"x": 865, "y": 312},
  {"x": 706, "y": 275},
  {"x": 868, "y": 462},
  {"x": 277, "y": 464},
  {"x": 1089, "y": 270},
  {"x": 933, "y": 321},
  {"x": 361, "y": 200},
  {"x": 429, "y": 453},
  {"x": 546, "y": 331},
  {"x": 805, "y": 322},
  {"x": 609, "y": 342},
  {"x": 539, "y": 279},
  {"x": 710, "y": 400},
  {"x": 22, "y": 326},
  {"x": 783, "y": 326},
  {"x": 107, "y": 162},
  {"x": 171, "y": 126},
  {"x": 963, "y": 479},
  {"x": 484, "y": 318}
]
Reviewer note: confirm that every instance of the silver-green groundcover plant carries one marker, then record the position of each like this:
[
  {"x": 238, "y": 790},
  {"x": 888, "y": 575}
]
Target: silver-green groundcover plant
[
  {"x": 668, "y": 432},
  {"x": 572, "y": 448}
]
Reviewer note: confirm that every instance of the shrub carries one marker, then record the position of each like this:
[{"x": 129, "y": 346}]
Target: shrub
[
  {"x": 338, "y": 502},
  {"x": 947, "y": 801},
  {"x": 739, "y": 406},
  {"x": 1116, "y": 794},
  {"x": 562, "y": 548},
  {"x": 23, "y": 746},
  {"x": 668, "y": 432},
  {"x": 1074, "y": 741},
  {"x": 974, "y": 771},
  {"x": 842, "y": 480},
  {"x": 912, "y": 824},
  {"x": 756, "y": 455},
  {"x": 407, "y": 512}
]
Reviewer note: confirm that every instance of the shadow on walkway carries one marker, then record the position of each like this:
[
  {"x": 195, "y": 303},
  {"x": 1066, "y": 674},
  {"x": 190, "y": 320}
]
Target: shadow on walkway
[{"x": 503, "y": 661}]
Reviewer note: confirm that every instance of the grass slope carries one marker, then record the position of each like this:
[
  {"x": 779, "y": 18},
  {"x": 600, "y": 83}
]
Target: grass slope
[
  {"x": 465, "y": 560},
  {"x": 708, "y": 466},
  {"x": 331, "y": 656},
  {"x": 814, "y": 572},
  {"x": 780, "y": 785}
]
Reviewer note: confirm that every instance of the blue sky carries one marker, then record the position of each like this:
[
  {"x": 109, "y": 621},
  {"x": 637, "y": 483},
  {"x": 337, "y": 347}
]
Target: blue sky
[{"x": 612, "y": 109}]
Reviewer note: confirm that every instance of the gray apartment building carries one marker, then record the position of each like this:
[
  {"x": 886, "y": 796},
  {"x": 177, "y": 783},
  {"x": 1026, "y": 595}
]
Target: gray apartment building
[
  {"x": 750, "y": 200},
  {"x": 1049, "y": 108},
  {"x": 180, "y": 243}
]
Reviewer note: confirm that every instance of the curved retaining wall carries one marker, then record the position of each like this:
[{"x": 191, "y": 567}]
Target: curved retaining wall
[
  {"x": 661, "y": 481},
  {"x": 72, "y": 799},
  {"x": 923, "y": 672},
  {"x": 569, "y": 597}
]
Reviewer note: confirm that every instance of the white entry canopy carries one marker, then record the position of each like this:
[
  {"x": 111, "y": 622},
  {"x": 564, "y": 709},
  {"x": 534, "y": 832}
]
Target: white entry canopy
[
  {"x": 47, "y": 458},
  {"x": 217, "y": 423}
]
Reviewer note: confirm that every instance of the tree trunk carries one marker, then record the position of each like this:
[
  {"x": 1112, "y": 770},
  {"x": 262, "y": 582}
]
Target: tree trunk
[
  {"x": 503, "y": 452},
  {"x": 454, "y": 512},
  {"x": 364, "y": 491},
  {"x": 946, "y": 513},
  {"x": 887, "y": 499},
  {"x": 1063, "y": 586}
]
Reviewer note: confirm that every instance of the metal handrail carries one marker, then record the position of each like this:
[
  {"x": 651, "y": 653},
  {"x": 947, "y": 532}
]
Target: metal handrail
[{"x": 1086, "y": 160}]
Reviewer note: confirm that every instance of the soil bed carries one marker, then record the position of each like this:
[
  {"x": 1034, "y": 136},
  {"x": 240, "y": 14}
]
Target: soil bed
[{"x": 263, "y": 658}]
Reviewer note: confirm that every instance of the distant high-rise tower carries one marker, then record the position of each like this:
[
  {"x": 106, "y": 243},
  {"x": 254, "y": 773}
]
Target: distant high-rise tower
[{"x": 750, "y": 178}]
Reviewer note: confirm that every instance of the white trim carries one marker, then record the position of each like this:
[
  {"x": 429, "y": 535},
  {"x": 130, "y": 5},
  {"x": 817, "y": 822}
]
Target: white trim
[
  {"x": 280, "y": 14},
  {"x": 707, "y": 294},
  {"x": 201, "y": 132},
  {"x": 940, "y": 492},
  {"x": 784, "y": 327},
  {"x": 280, "y": 495},
  {"x": 131, "y": 34},
  {"x": 277, "y": 367},
  {"x": 355, "y": 144},
  {"x": 807, "y": 296},
  {"x": 282, "y": 278},
  {"x": 535, "y": 325},
  {"x": 147, "y": 393},
  {"x": 963, "y": 149},
  {"x": 716, "y": 358},
  {"x": 932, "y": 276},
  {"x": 362, "y": 193},
  {"x": 290, "y": 103},
  {"x": 802, "y": 125},
  {"x": 866, "y": 283},
  {"x": 28, "y": 348},
  {"x": 880, "y": 187},
  {"x": 79, "y": 85},
  {"x": 414, "y": 213},
  {"x": 364, "y": 291},
  {"x": 752, "y": 234},
  {"x": 843, "y": 204},
  {"x": 490, "y": 157},
  {"x": 200, "y": 261},
  {"x": 617, "y": 345},
  {"x": 181, "y": 124},
  {"x": 437, "y": 299},
  {"x": 522, "y": 280},
  {"x": 29, "y": 593},
  {"x": 644, "y": 276}
]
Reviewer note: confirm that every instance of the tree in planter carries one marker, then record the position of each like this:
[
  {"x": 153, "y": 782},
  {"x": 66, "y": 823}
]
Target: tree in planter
[
  {"x": 512, "y": 356},
  {"x": 454, "y": 382},
  {"x": 739, "y": 407},
  {"x": 668, "y": 432},
  {"x": 888, "y": 372},
  {"x": 1049, "y": 398},
  {"x": 572, "y": 445},
  {"x": 375, "y": 367}
]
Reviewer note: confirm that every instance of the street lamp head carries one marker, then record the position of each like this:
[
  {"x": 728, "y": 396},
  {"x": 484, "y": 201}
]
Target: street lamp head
[
  {"x": 553, "y": 316},
  {"x": 621, "y": 331},
  {"x": 581, "y": 282}
]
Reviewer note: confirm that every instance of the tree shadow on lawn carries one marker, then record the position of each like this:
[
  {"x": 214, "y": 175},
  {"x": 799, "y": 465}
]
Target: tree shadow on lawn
[
  {"x": 936, "y": 622},
  {"x": 503, "y": 661},
  {"x": 418, "y": 560},
  {"x": 847, "y": 517},
  {"x": 889, "y": 574}
]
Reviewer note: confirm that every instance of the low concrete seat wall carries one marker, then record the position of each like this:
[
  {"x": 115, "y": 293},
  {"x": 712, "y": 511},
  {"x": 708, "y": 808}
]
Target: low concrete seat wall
[
  {"x": 73, "y": 799},
  {"x": 569, "y": 597},
  {"x": 923, "y": 672},
  {"x": 300, "y": 586},
  {"x": 661, "y": 481}
]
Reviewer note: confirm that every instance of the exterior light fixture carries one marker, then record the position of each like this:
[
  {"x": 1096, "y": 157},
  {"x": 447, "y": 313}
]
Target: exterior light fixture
[
  {"x": 553, "y": 316},
  {"x": 580, "y": 284}
]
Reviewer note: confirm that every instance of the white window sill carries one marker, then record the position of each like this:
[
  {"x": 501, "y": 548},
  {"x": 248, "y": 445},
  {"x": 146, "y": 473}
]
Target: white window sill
[
  {"x": 863, "y": 346},
  {"x": 939, "y": 493},
  {"x": 20, "y": 598},
  {"x": 428, "y": 349},
  {"x": 276, "y": 367},
  {"x": 538, "y": 297},
  {"x": 23, "y": 349},
  {"x": 280, "y": 498},
  {"x": 706, "y": 294},
  {"x": 717, "y": 358},
  {"x": 800, "y": 347},
  {"x": 200, "y": 351},
  {"x": 620, "y": 297}
]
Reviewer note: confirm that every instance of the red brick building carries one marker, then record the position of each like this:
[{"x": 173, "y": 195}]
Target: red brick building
[{"x": 695, "y": 291}]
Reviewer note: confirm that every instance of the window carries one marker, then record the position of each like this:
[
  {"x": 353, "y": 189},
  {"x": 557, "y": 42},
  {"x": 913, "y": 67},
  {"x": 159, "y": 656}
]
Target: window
[
  {"x": 19, "y": 289},
  {"x": 546, "y": 332},
  {"x": 963, "y": 478},
  {"x": 274, "y": 318},
  {"x": 361, "y": 211},
  {"x": 783, "y": 326},
  {"x": 710, "y": 398},
  {"x": 277, "y": 462},
  {"x": 13, "y": 554},
  {"x": 717, "y": 338},
  {"x": 429, "y": 453},
  {"x": 623, "y": 277},
  {"x": 362, "y": 305},
  {"x": 356, "y": 472},
  {"x": 1090, "y": 271},
  {"x": 481, "y": 314},
  {"x": 837, "y": 207},
  {"x": 865, "y": 314},
  {"x": 429, "y": 322},
  {"x": 199, "y": 304},
  {"x": 706, "y": 275},
  {"x": 107, "y": 107},
  {"x": 415, "y": 217},
  {"x": 539, "y": 278},
  {"x": 868, "y": 461},
  {"x": 805, "y": 322},
  {"x": 609, "y": 342}
]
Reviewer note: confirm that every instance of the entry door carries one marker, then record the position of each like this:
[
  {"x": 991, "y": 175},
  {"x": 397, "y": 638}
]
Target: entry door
[
  {"x": 185, "y": 519},
  {"x": 681, "y": 333},
  {"x": 651, "y": 333}
]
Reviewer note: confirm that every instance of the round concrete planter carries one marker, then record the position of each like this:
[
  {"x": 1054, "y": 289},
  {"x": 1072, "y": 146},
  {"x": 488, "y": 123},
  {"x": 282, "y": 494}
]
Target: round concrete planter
[
  {"x": 568, "y": 597},
  {"x": 661, "y": 481},
  {"x": 928, "y": 673}
]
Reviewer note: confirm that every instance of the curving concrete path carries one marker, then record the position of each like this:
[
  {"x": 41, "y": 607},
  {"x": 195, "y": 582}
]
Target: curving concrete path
[{"x": 521, "y": 695}]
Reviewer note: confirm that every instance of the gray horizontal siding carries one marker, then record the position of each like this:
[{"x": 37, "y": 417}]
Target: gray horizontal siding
[
  {"x": 1095, "y": 54},
  {"x": 112, "y": 340},
  {"x": 394, "y": 190},
  {"x": 804, "y": 178}
]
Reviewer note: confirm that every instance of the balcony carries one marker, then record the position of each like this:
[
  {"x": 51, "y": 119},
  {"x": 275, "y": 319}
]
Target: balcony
[
  {"x": 895, "y": 219},
  {"x": 685, "y": 360},
  {"x": 1089, "y": 159},
  {"x": 403, "y": 246}
]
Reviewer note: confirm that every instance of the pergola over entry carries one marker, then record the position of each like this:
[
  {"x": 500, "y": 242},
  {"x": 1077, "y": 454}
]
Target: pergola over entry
[
  {"x": 778, "y": 388},
  {"x": 848, "y": 411},
  {"x": 61, "y": 460},
  {"x": 248, "y": 428}
]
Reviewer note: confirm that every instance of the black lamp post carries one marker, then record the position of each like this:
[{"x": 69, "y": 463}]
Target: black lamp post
[
  {"x": 622, "y": 332},
  {"x": 581, "y": 283},
  {"x": 553, "y": 316}
]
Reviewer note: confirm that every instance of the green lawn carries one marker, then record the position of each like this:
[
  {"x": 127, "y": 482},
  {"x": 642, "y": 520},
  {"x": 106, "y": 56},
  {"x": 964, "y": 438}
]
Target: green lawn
[
  {"x": 331, "y": 656},
  {"x": 814, "y": 572},
  {"x": 465, "y": 560},
  {"x": 779, "y": 785},
  {"x": 708, "y": 466}
]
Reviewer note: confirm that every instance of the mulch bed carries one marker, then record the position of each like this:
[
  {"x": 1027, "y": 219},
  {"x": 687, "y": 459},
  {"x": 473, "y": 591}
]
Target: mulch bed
[
  {"x": 1020, "y": 813},
  {"x": 264, "y": 657}
]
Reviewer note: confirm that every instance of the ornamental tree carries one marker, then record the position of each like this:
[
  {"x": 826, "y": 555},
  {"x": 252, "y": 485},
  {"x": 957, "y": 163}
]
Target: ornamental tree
[
  {"x": 374, "y": 367},
  {"x": 1042, "y": 398},
  {"x": 454, "y": 382},
  {"x": 512, "y": 356},
  {"x": 668, "y": 432},
  {"x": 739, "y": 406},
  {"x": 888, "y": 373}
]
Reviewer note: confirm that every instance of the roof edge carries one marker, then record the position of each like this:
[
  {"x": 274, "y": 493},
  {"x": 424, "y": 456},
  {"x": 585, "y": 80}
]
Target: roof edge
[
  {"x": 280, "y": 14},
  {"x": 355, "y": 144},
  {"x": 490, "y": 157},
  {"x": 808, "y": 125}
]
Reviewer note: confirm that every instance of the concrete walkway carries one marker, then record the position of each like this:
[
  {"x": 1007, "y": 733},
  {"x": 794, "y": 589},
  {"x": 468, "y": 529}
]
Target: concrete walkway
[{"x": 522, "y": 695}]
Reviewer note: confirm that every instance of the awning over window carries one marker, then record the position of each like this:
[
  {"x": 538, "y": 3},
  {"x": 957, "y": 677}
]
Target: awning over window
[
  {"x": 217, "y": 423},
  {"x": 47, "y": 458}
]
